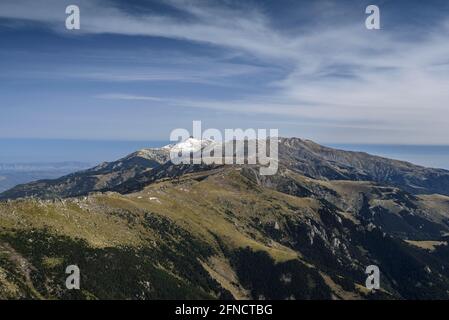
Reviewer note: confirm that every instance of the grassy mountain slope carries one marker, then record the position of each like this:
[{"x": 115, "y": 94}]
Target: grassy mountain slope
[{"x": 227, "y": 232}]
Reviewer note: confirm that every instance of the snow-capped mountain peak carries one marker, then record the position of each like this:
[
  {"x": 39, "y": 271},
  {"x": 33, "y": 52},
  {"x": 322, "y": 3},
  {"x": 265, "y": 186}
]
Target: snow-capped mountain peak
[{"x": 190, "y": 145}]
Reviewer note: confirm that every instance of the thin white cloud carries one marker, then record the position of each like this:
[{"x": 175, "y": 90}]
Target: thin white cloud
[{"x": 338, "y": 73}]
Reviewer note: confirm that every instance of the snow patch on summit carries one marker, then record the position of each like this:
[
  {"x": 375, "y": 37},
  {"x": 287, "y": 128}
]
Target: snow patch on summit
[{"x": 190, "y": 145}]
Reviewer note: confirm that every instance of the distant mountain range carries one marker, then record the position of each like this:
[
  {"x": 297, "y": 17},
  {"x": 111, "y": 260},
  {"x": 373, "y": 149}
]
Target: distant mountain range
[
  {"x": 12, "y": 174},
  {"x": 144, "y": 228}
]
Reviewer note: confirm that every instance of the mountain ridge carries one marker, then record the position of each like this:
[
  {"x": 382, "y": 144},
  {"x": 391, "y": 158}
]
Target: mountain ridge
[{"x": 301, "y": 156}]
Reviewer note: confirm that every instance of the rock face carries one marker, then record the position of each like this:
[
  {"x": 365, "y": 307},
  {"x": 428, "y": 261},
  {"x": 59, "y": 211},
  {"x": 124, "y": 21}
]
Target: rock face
[
  {"x": 160, "y": 231},
  {"x": 316, "y": 161}
]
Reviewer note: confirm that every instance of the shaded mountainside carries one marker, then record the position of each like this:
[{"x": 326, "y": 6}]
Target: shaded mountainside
[
  {"x": 219, "y": 232},
  {"x": 314, "y": 160},
  {"x": 102, "y": 177}
]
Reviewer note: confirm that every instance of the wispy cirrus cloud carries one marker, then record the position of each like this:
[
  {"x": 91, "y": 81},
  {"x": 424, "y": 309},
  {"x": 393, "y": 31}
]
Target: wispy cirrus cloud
[{"x": 339, "y": 73}]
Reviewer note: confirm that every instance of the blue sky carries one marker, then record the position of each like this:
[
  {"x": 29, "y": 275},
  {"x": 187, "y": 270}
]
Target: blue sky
[{"x": 138, "y": 69}]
